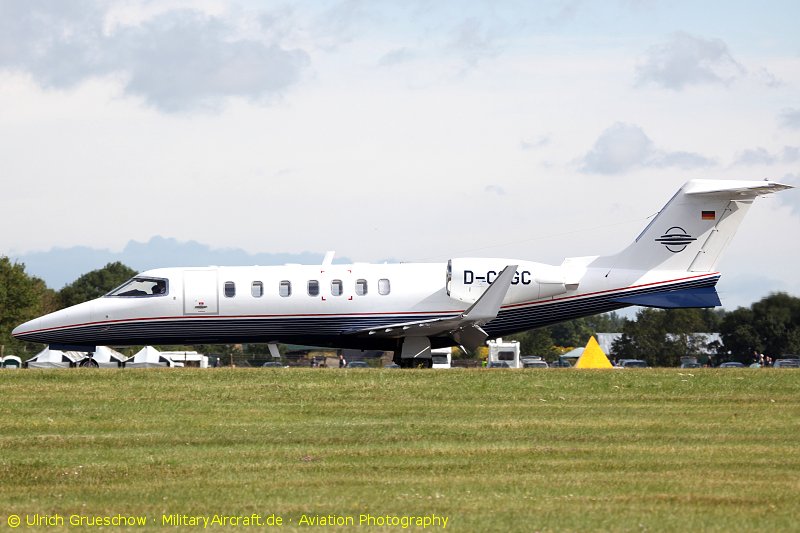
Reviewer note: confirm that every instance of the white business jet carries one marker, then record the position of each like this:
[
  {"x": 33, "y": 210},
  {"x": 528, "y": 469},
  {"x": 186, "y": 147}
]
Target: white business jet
[{"x": 411, "y": 308}]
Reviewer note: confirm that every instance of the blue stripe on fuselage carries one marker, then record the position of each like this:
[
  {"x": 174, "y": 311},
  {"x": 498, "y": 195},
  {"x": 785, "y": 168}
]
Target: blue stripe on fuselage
[{"x": 333, "y": 330}]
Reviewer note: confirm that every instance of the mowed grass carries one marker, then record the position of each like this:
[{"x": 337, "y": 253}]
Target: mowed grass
[{"x": 492, "y": 450}]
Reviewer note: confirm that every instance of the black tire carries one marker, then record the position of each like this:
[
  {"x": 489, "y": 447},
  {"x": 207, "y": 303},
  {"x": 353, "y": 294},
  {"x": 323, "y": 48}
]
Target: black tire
[{"x": 89, "y": 362}]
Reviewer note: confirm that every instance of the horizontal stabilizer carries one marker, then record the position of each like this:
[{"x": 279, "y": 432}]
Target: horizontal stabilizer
[
  {"x": 739, "y": 188},
  {"x": 698, "y": 297}
]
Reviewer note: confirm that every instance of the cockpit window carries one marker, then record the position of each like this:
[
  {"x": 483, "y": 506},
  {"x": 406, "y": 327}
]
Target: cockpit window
[{"x": 139, "y": 286}]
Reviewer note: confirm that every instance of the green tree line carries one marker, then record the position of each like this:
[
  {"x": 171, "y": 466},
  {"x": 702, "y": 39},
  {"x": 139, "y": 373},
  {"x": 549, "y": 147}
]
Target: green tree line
[
  {"x": 770, "y": 326},
  {"x": 661, "y": 337}
]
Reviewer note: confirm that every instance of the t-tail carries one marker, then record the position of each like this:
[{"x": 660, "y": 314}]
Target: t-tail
[{"x": 686, "y": 239}]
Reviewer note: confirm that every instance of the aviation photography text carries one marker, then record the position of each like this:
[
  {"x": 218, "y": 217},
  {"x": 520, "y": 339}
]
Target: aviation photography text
[{"x": 40, "y": 521}]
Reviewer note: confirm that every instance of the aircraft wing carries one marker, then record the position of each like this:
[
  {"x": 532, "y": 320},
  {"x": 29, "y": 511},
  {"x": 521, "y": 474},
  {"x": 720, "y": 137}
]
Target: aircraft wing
[{"x": 464, "y": 328}]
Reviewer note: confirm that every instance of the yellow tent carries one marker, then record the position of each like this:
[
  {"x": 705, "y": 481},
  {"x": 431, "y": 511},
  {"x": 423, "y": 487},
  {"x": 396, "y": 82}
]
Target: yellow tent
[{"x": 593, "y": 356}]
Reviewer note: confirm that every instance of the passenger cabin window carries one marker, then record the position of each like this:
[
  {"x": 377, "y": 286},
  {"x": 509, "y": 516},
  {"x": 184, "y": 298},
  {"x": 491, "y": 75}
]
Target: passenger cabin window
[
  {"x": 230, "y": 289},
  {"x": 140, "y": 286},
  {"x": 285, "y": 288},
  {"x": 313, "y": 287},
  {"x": 257, "y": 289},
  {"x": 361, "y": 287},
  {"x": 336, "y": 287},
  {"x": 384, "y": 287}
]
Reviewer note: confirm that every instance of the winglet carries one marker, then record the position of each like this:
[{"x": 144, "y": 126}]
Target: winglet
[{"x": 488, "y": 305}]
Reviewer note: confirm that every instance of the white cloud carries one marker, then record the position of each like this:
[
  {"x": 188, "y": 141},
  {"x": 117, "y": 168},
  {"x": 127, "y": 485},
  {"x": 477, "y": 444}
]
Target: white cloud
[
  {"x": 538, "y": 142},
  {"x": 175, "y": 60},
  {"x": 682, "y": 160},
  {"x": 688, "y": 60},
  {"x": 474, "y": 42},
  {"x": 396, "y": 57},
  {"x": 625, "y": 147},
  {"x": 565, "y": 12},
  {"x": 791, "y": 197},
  {"x": 755, "y": 156},
  {"x": 185, "y": 60},
  {"x": 760, "y": 156},
  {"x": 769, "y": 79},
  {"x": 618, "y": 149},
  {"x": 495, "y": 189},
  {"x": 790, "y": 118},
  {"x": 57, "y": 43},
  {"x": 340, "y": 22}
]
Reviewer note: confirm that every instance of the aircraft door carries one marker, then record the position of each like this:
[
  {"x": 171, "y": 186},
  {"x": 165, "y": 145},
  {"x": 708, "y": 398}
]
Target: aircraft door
[{"x": 200, "y": 292}]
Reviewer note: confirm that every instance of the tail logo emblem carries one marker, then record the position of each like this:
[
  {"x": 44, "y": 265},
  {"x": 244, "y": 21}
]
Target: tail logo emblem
[{"x": 676, "y": 239}]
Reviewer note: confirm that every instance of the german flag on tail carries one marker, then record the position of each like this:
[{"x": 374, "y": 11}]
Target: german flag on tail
[{"x": 708, "y": 215}]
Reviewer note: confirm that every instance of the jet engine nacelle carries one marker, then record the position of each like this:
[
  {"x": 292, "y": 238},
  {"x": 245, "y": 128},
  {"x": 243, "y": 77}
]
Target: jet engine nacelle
[{"x": 468, "y": 278}]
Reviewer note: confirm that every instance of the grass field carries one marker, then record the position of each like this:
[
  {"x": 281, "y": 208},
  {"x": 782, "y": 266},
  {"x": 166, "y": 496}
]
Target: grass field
[{"x": 490, "y": 450}]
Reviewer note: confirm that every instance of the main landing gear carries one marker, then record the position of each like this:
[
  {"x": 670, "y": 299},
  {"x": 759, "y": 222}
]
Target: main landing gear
[{"x": 89, "y": 362}]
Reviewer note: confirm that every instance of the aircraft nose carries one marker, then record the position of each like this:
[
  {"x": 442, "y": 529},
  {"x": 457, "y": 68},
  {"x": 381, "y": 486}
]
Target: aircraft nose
[
  {"x": 33, "y": 329},
  {"x": 22, "y": 329},
  {"x": 43, "y": 328}
]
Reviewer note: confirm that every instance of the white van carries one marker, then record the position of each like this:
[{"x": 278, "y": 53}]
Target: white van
[{"x": 505, "y": 354}]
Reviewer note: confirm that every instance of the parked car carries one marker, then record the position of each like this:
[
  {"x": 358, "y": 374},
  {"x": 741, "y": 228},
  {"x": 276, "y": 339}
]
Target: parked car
[
  {"x": 498, "y": 364},
  {"x": 691, "y": 365},
  {"x": 391, "y": 365},
  {"x": 273, "y": 364},
  {"x": 357, "y": 364},
  {"x": 560, "y": 363},
  {"x": 535, "y": 364},
  {"x": 786, "y": 363},
  {"x": 731, "y": 364},
  {"x": 632, "y": 363}
]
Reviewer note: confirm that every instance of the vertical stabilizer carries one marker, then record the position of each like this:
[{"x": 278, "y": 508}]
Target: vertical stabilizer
[{"x": 692, "y": 230}]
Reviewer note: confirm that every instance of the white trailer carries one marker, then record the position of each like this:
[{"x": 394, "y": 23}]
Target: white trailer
[
  {"x": 188, "y": 358},
  {"x": 442, "y": 357},
  {"x": 505, "y": 353}
]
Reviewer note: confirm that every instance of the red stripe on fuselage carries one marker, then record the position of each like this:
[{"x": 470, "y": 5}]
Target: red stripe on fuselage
[{"x": 397, "y": 313}]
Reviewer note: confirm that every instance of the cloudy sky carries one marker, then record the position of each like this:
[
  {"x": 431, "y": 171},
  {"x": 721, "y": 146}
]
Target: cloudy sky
[{"x": 405, "y": 130}]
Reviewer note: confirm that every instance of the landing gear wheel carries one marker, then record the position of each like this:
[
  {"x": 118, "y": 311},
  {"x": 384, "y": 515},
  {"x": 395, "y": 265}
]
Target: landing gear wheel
[{"x": 89, "y": 362}]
